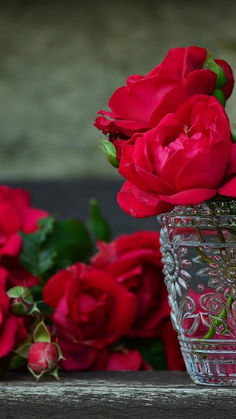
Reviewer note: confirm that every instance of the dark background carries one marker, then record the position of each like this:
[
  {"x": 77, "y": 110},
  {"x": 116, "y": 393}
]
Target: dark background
[
  {"x": 60, "y": 61},
  {"x": 70, "y": 199}
]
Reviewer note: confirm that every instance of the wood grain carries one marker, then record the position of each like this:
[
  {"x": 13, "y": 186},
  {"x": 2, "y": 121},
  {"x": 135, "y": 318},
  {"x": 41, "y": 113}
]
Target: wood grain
[{"x": 160, "y": 394}]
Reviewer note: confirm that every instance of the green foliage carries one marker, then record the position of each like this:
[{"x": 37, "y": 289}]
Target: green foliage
[
  {"x": 70, "y": 242},
  {"x": 97, "y": 223},
  {"x": 33, "y": 257},
  {"x": 23, "y": 349},
  {"x": 16, "y": 362},
  {"x": 56, "y": 245}
]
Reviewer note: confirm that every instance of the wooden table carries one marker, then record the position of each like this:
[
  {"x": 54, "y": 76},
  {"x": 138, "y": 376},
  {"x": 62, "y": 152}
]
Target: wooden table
[{"x": 143, "y": 394}]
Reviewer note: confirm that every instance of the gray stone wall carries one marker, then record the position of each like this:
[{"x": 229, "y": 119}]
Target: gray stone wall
[{"x": 60, "y": 62}]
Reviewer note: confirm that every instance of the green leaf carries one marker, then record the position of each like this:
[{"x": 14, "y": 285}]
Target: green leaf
[
  {"x": 23, "y": 350},
  {"x": 46, "y": 260},
  {"x": 41, "y": 333},
  {"x": 109, "y": 150},
  {"x": 16, "y": 362},
  {"x": 31, "y": 257},
  {"x": 97, "y": 223},
  {"x": 46, "y": 227},
  {"x": 19, "y": 309},
  {"x": 70, "y": 242}
]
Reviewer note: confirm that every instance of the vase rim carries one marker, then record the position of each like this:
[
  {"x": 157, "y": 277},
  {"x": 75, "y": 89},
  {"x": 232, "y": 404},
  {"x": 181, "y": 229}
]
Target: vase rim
[{"x": 208, "y": 215}]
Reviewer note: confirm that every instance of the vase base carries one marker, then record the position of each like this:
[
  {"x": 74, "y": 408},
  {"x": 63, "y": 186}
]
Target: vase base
[
  {"x": 213, "y": 380},
  {"x": 210, "y": 362}
]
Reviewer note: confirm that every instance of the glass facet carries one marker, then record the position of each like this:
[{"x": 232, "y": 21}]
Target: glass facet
[{"x": 198, "y": 245}]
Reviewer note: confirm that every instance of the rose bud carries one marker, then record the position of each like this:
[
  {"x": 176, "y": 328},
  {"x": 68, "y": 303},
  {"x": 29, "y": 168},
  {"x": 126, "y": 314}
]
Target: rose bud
[
  {"x": 43, "y": 357},
  {"x": 21, "y": 300}
]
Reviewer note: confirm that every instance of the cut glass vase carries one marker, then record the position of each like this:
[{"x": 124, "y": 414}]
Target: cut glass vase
[{"x": 198, "y": 245}]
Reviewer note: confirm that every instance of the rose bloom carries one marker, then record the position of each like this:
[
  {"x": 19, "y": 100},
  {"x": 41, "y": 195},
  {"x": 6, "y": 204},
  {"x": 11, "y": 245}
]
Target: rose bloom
[
  {"x": 42, "y": 357},
  {"x": 182, "y": 161},
  {"x": 16, "y": 215},
  {"x": 229, "y": 183},
  {"x": 135, "y": 262},
  {"x": 12, "y": 329},
  {"x": 145, "y": 100},
  {"x": 120, "y": 359},
  {"x": 91, "y": 311}
]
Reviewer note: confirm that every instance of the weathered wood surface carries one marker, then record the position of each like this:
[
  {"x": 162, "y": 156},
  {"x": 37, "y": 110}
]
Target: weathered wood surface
[{"x": 160, "y": 394}]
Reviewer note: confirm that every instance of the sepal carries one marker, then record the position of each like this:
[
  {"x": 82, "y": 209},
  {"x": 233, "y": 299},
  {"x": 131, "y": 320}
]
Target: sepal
[
  {"x": 109, "y": 150},
  {"x": 41, "y": 333}
]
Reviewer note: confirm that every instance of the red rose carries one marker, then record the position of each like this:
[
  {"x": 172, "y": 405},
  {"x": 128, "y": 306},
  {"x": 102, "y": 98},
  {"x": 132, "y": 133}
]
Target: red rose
[
  {"x": 182, "y": 161},
  {"x": 135, "y": 262},
  {"x": 42, "y": 357},
  {"x": 16, "y": 214},
  {"x": 12, "y": 329},
  {"x": 173, "y": 354},
  {"x": 126, "y": 360},
  {"x": 229, "y": 182},
  {"x": 145, "y": 100},
  {"x": 120, "y": 359},
  {"x": 91, "y": 311}
]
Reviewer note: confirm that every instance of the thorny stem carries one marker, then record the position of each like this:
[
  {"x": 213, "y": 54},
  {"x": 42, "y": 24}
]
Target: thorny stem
[
  {"x": 203, "y": 256},
  {"x": 218, "y": 321}
]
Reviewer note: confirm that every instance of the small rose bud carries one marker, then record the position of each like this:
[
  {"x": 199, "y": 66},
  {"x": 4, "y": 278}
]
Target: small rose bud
[
  {"x": 221, "y": 78},
  {"x": 228, "y": 87},
  {"x": 43, "y": 357},
  {"x": 22, "y": 301},
  {"x": 109, "y": 150}
]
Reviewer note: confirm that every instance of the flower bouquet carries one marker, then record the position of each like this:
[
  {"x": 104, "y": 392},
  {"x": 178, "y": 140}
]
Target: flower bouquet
[
  {"x": 65, "y": 305},
  {"x": 170, "y": 138}
]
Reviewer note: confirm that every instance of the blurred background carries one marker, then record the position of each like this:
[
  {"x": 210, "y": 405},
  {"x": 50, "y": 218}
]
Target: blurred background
[{"x": 61, "y": 61}]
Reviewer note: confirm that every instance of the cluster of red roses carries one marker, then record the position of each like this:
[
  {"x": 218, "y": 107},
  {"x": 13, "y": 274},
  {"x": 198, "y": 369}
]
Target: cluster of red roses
[
  {"x": 15, "y": 214},
  {"x": 171, "y": 135},
  {"x": 120, "y": 293}
]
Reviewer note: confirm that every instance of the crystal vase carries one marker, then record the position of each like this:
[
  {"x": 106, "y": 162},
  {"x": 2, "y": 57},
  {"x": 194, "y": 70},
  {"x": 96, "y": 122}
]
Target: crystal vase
[{"x": 198, "y": 245}]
